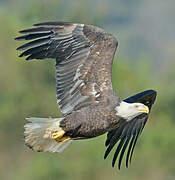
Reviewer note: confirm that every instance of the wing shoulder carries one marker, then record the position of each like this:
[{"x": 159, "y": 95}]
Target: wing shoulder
[{"x": 97, "y": 35}]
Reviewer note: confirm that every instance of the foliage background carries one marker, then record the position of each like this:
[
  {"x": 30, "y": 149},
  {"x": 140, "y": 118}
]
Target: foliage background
[{"x": 144, "y": 60}]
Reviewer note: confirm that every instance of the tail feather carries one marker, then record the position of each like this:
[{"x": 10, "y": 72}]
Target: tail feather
[{"x": 38, "y": 134}]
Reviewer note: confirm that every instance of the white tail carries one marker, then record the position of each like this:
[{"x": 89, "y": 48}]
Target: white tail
[{"x": 38, "y": 134}]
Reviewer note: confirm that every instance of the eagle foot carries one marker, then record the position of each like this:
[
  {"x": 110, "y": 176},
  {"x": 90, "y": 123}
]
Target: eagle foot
[{"x": 58, "y": 136}]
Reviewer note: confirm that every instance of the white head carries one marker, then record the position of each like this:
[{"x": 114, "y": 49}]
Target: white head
[{"x": 129, "y": 111}]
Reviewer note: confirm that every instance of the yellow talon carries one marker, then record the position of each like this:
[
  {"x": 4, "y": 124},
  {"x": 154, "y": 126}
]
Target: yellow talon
[
  {"x": 64, "y": 139},
  {"x": 57, "y": 135}
]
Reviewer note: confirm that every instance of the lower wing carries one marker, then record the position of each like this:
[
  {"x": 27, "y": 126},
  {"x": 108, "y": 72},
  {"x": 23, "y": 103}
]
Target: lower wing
[{"x": 127, "y": 133}]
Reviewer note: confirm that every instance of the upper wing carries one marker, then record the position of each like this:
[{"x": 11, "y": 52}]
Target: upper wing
[
  {"x": 128, "y": 132},
  {"x": 84, "y": 56}
]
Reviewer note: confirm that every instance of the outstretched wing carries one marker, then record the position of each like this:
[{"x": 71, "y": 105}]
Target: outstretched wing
[
  {"x": 127, "y": 133},
  {"x": 84, "y": 56}
]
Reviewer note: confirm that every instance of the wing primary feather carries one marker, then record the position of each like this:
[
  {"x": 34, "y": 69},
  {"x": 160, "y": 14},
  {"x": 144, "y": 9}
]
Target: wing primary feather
[
  {"x": 126, "y": 134},
  {"x": 109, "y": 136},
  {"x": 135, "y": 141},
  {"x": 40, "y": 55},
  {"x": 128, "y": 137},
  {"x": 35, "y": 30},
  {"x": 118, "y": 134},
  {"x": 34, "y": 50},
  {"x": 118, "y": 150},
  {"x": 34, "y": 36},
  {"x": 53, "y": 24},
  {"x": 143, "y": 124},
  {"x": 129, "y": 150},
  {"x": 123, "y": 151},
  {"x": 113, "y": 141},
  {"x": 34, "y": 44}
]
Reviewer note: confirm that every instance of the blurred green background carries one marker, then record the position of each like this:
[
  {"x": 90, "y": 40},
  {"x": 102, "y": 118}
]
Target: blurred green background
[{"x": 144, "y": 60}]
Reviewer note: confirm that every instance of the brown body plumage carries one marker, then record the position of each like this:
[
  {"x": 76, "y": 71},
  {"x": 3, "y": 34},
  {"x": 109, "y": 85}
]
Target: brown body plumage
[{"x": 91, "y": 121}]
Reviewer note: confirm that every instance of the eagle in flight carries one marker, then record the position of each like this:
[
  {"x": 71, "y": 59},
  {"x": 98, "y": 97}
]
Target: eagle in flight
[{"x": 90, "y": 107}]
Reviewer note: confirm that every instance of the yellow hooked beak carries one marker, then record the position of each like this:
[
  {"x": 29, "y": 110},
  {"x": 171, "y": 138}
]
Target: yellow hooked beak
[{"x": 144, "y": 109}]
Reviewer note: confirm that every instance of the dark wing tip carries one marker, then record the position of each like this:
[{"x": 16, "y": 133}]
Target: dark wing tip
[
  {"x": 148, "y": 94},
  {"x": 151, "y": 94},
  {"x": 129, "y": 150},
  {"x": 25, "y": 31},
  {"x": 56, "y": 23},
  {"x": 109, "y": 136},
  {"x": 123, "y": 151},
  {"x": 113, "y": 139},
  {"x": 118, "y": 150},
  {"x": 17, "y": 38},
  {"x": 127, "y": 137},
  {"x": 42, "y": 44}
]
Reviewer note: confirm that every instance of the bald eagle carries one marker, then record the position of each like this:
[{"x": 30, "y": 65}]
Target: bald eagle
[{"x": 90, "y": 107}]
